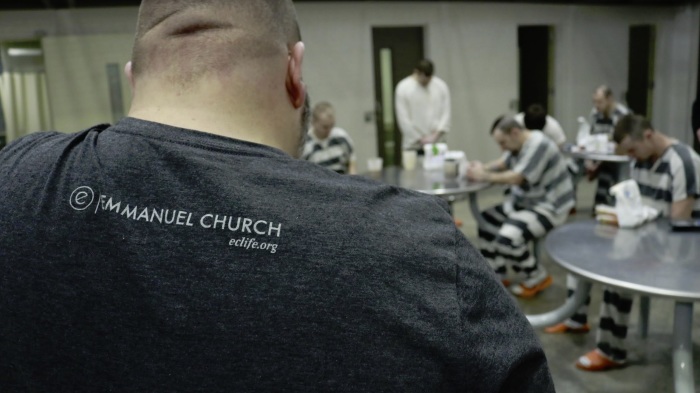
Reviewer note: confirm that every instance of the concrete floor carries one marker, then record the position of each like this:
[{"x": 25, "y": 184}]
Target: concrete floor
[{"x": 649, "y": 366}]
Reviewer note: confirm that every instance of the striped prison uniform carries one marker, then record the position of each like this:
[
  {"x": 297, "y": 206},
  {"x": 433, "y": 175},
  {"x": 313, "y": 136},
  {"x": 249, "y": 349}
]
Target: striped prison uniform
[
  {"x": 608, "y": 172},
  {"x": 335, "y": 152},
  {"x": 530, "y": 210},
  {"x": 552, "y": 130},
  {"x": 673, "y": 177}
]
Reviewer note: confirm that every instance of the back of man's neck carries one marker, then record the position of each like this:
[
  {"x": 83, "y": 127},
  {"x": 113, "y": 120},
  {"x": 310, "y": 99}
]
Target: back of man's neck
[
  {"x": 227, "y": 124},
  {"x": 233, "y": 112}
]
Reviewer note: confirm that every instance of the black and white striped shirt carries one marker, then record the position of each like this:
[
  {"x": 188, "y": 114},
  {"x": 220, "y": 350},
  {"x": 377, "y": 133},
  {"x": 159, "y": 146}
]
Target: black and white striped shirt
[
  {"x": 601, "y": 124},
  {"x": 547, "y": 182},
  {"x": 335, "y": 152},
  {"x": 673, "y": 177}
]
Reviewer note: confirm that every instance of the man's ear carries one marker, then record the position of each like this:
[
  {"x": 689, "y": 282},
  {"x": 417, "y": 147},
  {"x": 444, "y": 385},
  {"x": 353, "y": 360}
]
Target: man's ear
[
  {"x": 296, "y": 89},
  {"x": 129, "y": 75},
  {"x": 648, "y": 134}
]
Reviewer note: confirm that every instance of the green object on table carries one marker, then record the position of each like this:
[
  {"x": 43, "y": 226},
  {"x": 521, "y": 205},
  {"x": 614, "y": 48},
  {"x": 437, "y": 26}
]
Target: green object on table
[{"x": 435, "y": 149}]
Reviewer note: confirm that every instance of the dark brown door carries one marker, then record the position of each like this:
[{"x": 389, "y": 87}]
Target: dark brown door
[
  {"x": 396, "y": 51},
  {"x": 640, "y": 75},
  {"x": 535, "y": 58},
  {"x": 695, "y": 115}
]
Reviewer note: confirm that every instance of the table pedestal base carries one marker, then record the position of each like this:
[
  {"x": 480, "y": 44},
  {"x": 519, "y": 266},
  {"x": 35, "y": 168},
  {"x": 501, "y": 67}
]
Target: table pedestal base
[
  {"x": 683, "y": 348},
  {"x": 581, "y": 292}
]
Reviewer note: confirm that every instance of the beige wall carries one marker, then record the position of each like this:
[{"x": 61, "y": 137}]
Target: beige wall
[
  {"x": 76, "y": 70},
  {"x": 474, "y": 47}
]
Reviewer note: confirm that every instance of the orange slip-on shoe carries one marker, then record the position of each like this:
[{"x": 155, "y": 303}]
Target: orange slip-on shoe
[
  {"x": 564, "y": 328},
  {"x": 597, "y": 361},
  {"x": 522, "y": 291}
]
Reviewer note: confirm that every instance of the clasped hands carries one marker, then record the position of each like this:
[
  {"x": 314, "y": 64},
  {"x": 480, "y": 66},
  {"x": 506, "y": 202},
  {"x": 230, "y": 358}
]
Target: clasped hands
[
  {"x": 430, "y": 138},
  {"x": 476, "y": 171}
]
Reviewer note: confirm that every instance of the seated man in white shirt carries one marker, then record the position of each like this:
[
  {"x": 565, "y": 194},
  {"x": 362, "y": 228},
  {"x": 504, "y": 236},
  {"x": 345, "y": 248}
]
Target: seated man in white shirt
[
  {"x": 536, "y": 118},
  {"x": 541, "y": 195},
  {"x": 328, "y": 145}
]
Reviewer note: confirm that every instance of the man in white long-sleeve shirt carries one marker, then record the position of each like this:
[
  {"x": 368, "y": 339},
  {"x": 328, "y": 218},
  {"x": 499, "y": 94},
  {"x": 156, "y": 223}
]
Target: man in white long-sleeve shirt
[{"x": 422, "y": 107}]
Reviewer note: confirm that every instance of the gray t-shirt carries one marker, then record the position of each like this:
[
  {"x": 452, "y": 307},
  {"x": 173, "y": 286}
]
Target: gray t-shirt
[{"x": 147, "y": 258}]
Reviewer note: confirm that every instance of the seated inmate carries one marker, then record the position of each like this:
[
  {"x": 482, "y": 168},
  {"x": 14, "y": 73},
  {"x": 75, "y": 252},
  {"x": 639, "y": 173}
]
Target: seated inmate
[
  {"x": 541, "y": 195},
  {"x": 328, "y": 145},
  {"x": 668, "y": 174},
  {"x": 536, "y": 118},
  {"x": 605, "y": 114},
  {"x": 187, "y": 249}
]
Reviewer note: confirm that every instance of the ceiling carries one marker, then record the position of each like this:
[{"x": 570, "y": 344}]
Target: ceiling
[{"x": 59, "y": 4}]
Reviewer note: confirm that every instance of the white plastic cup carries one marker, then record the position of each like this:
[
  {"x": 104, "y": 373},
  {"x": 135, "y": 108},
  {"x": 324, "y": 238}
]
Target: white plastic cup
[
  {"x": 611, "y": 148},
  {"x": 408, "y": 159},
  {"x": 374, "y": 164},
  {"x": 451, "y": 168}
]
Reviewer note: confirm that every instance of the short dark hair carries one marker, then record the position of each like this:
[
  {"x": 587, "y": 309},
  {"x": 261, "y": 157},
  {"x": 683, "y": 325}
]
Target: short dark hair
[
  {"x": 535, "y": 117},
  {"x": 425, "y": 67},
  {"x": 495, "y": 123},
  {"x": 632, "y": 126},
  {"x": 505, "y": 124}
]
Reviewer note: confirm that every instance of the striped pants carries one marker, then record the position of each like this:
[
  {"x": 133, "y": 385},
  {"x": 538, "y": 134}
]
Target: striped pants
[
  {"x": 614, "y": 318},
  {"x": 504, "y": 240},
  {"x": 580, "y": 317}
]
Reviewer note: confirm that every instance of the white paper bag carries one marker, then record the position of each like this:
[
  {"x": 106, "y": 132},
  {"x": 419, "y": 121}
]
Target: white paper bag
[{"x": 628, "y": 205}]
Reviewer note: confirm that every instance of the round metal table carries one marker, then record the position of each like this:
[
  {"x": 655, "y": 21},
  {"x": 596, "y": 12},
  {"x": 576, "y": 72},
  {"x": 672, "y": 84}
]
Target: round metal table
[
  {"x": 598, "y": 156},
  {"x": 434, "y": 182},
  {"x": 650, "y": 260},
  {"x": 623, "y": 162}
]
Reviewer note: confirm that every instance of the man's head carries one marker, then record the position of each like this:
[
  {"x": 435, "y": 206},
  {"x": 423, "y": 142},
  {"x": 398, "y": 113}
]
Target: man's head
[
  {"x": 535, "y": 117},
  {"x": 322, "y": 120},
  {"x": 221, "y": 65},
  {"x": 603, "y": 99},
  {"x": 634, "y": 135},
  {"x": 189, "y": 39},
  {"x": 508, "y": 133},
  {"x": 424, "y": 72}
]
